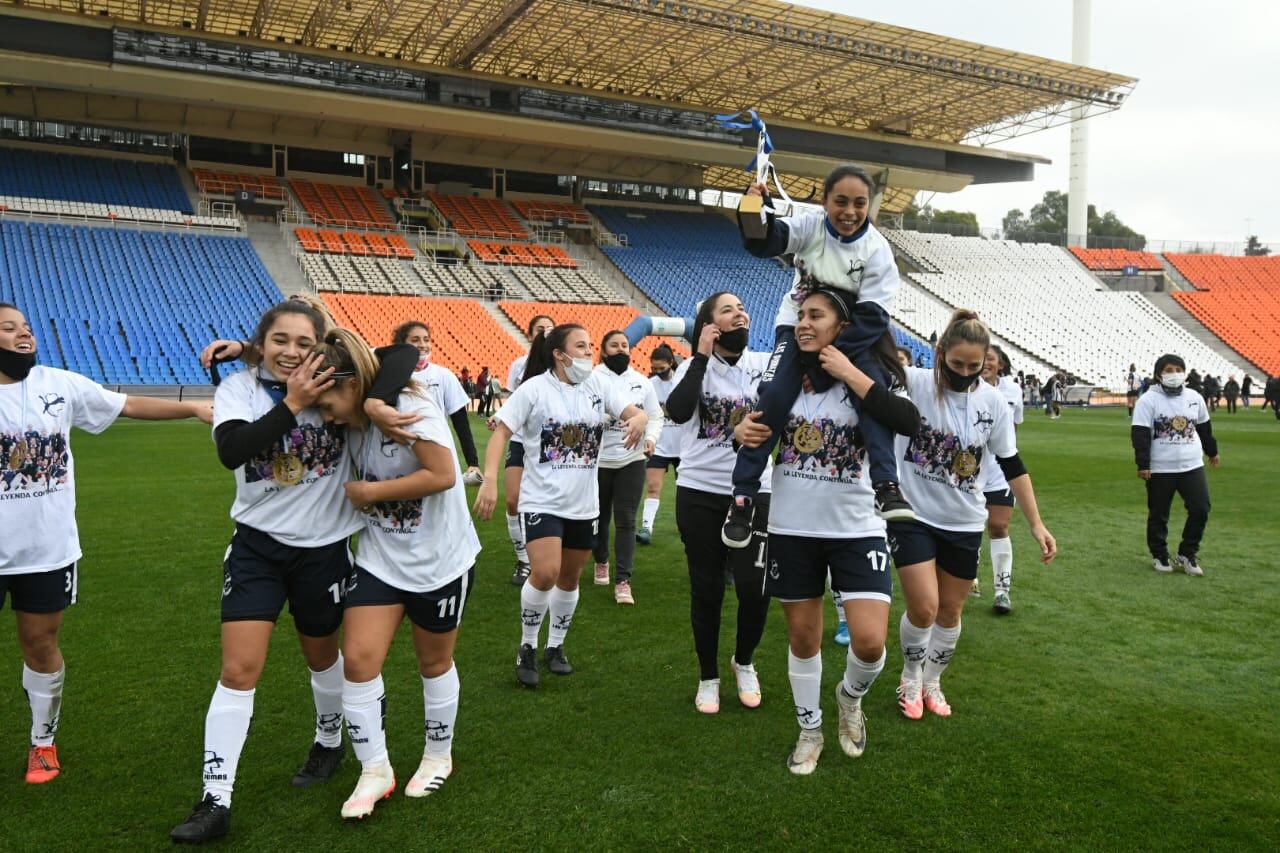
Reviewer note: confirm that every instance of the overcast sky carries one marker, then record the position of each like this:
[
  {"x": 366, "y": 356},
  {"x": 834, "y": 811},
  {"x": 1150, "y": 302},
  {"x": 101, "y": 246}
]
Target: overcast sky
[{"x": 1192, "y": 154}]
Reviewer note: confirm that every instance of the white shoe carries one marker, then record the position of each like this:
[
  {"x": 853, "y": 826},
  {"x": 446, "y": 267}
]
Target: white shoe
[
  {"x": 430, "y": 776},
  {"x": 1190, "y": 566},
  {"x": 602, "y": 574},
  {"x": 374, "y": 784},
  {"x": 853, "y": 723},
  {"x": 748, "y": 683},
  {"x": 1162, "y": 568},
  {"x": 803, "y": 760},
  {"x": 708, "y": 699}
]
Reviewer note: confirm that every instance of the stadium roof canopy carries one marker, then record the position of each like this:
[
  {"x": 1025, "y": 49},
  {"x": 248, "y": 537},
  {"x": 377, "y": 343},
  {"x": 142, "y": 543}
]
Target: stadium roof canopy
[{"x": 793, "y": 64}]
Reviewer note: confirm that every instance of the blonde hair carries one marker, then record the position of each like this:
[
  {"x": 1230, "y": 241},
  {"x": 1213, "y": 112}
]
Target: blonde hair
[
  {"x": 316, "y": 303},
  {"x": 963, "y": 328},
  {"x": 350, "y": 357}
]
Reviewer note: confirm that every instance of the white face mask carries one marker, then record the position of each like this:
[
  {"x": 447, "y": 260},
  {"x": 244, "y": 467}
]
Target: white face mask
[
  {"x": 577, "y": 370},
  {"x": 1173, "y": 381}
]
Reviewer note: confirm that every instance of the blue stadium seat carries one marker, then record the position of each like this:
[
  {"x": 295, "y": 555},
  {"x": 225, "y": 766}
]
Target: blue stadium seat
[
  {"x": 75, "y": 177},
  {"x": 131, "y": 307}
]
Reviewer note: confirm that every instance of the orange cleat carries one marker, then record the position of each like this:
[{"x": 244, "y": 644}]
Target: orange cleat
[{"x": 42, "y": 764}]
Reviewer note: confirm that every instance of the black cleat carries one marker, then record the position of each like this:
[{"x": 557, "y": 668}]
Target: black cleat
[
  {"x": 736, "y": 532},
  {"x": 891, "y": 505},
  {"x": 322, "y": 762},
  {"x": 527, "y": 666},
  {"x": 557, "y": 662},
  {"x": 207, "y": 821},
  {"x": 520, "y": 575}
]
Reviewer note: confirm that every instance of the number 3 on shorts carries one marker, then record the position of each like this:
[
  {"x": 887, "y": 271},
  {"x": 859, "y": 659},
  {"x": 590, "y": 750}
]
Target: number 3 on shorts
[{"x": 879, "y": 561}]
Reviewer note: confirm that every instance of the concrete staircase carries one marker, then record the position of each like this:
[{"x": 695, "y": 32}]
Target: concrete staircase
[
  {"x": 276, "y": 257},
  {"x": 1175, "y": 279},
  {"x": 516, "y": 333},
  {"x": 1199, "y": 331}
]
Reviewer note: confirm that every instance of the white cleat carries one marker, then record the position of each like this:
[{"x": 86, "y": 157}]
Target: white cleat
[
  {"x": 1190, "y": 566},
  {"x": 853, "y": 723},
  {"x": 707, "y": 701},
  {"x": 374, "y": 784},
  {"x": 803, "y": 760},
  {"x": 430, "y": 776},
  {"x": 1161, "y": 566},
  {"x": 748, "y": 683}
]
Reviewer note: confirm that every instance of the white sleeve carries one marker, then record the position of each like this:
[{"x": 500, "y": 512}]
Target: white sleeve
[
  {"x": 1143, "y": 416},
  {"x": 801, "y": 226},
  {"x": 880, "y": 281},
  {"x": 1202, "y": 416},
  {"x": 513, "y": 378},
  {"x": 518, "y": 408},
  {"x": 233, "y": 401},
  {"x": 652, "y": 408},
  {"x": 451, "y": 393},
  {"x": 1001, "y": 442},
  {"x": 433, "y": 426},
  {"x": 1018, "y": 409},
  {"x": 93, "y": 408}
]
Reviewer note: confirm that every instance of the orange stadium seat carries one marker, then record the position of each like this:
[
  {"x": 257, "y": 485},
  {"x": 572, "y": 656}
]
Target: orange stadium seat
[
  {"x": 1115, "y": 259},
  {"x": 597, "y": 319},
  {"x": 227, "y": 183},
  {"x": 308, "y": 239},
  {"x": 471, "y": 216},
  {"x": 1238, "y": 299},
  {"x": 331, "y": 204}
]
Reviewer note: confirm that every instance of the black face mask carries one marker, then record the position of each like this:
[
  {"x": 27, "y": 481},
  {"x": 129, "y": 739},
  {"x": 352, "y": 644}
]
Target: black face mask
[
  {"x": 16, "y": 365},
  {"x": 734, "y": 340},
  {"x": 662, "y": 374},
  {"x": 959, "y": 381},
  {"x": 618, "y": 362}
]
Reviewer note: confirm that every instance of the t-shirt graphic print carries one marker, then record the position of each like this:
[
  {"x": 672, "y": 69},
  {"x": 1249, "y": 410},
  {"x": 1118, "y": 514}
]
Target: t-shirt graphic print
[
  {"x": 943, "y": 458},
  {"x": 717, "y": 417},
  {"x": 1175, "y": 429},
  {"x": 307, "y": 453},
  {"x": 570, "y": 444},
  {"x": 32, "y": 464},
  {"x": 822, "y": 449}
]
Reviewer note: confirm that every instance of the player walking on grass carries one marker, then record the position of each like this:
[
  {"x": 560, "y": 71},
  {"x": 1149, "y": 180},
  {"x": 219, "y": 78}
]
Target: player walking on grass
[
  {"x": 1171, "y": 435},
  {"x": 39, "y": 542},
  {"x": 416, "y": 558},
  {"x": 999, "y": 497},
  {"x": 621, "y": 472},
  {"x": 443, "y": 388},
  {"x": 558, "y": 414},
  {"x": 836, "y": 248},
  {"x": 290, "y": 543},
  {"x": 823, "y": 520},
  {"x": 966, "y": 429},
  {"x": 715, "y": 389},
  {"x": 666, "y": 455}
]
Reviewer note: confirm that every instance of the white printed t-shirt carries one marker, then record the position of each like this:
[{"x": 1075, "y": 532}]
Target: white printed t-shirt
[
  {"x": 1172, "y": 419},
  {"x": 728, "y": 392}
]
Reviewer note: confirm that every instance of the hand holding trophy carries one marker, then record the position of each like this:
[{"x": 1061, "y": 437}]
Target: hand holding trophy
[{"x": 753, "y": 216}]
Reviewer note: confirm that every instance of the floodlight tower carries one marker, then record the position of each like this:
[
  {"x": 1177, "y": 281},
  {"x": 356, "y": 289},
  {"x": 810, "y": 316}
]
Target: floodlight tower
[{"x": 1078, "y": 181}]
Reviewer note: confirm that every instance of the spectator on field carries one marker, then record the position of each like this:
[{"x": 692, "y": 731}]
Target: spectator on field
[
  {"x": 1212, "y": 391},
  {"x": 482, "y": 385},
  {"x": 1194, "y": 382},
  {"x": 1246, "y": 388},
  {"x": 1132, "y": 387},
  {"x": 1271, "y": 392},
  {"x": 468, "y": 386},
  {"x": 1231, "y": 390}
]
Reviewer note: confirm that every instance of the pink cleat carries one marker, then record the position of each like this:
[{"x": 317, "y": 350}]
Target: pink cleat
[
  {"x": 909, "y": 700},
  {"x": 935, "y": 701}
]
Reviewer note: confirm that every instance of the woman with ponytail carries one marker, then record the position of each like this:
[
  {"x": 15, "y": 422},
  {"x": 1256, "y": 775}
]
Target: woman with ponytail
[
  {"x": 416, "y": 558},
  {"x": 558, "y": 414},
  {"x": 443, "y": 388},
  {"x": 999, "y": 497},
  {"x": 966, "y": 429}
]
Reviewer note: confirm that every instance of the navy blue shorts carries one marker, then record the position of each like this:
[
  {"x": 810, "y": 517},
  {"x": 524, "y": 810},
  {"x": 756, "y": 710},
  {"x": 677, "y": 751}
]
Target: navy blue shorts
[
  {"x": 956, "y": 553},
  {"x": 260, "y": 574},
  {"x": 438, "y": 611},
  {"x": 41, "y": 592},
  {"x": 798, "y": 568},
  {"x": 515, "y": 454},
  {"x": 1001, "y": 497},
  {"x": 578, "y": 535},
  {"x": 662, "y": 463}
]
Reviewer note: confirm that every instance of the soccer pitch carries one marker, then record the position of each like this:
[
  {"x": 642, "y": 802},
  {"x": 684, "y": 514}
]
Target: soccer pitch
[{"x": 1114, "y": 709}]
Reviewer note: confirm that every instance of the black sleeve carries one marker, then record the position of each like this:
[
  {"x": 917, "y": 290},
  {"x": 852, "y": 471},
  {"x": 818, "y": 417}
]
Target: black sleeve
[
  {"x": 240, "y": 441},
  {"x": 897, "y": 413},
  {"x": 774, "y": 243},
  {"x": 398, "y": 363},
  {"x": 682, "y": 405},
  {"x": 1012, "y": 467},
  {"x": 1205, "y": 431},
  {"x": 462, "y": 426},
  {"x": 1141, "y": 437}
]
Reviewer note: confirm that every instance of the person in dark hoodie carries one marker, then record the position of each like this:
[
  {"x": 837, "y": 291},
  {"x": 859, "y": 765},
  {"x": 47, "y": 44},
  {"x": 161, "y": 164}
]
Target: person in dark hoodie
[{"x": 1171, "y": 435}]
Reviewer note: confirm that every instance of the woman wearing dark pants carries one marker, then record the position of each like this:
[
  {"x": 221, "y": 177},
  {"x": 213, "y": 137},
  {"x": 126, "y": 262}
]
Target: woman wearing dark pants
[
  {"x": 715, "y": 389},
  {"x": 1171, "y": 435}
]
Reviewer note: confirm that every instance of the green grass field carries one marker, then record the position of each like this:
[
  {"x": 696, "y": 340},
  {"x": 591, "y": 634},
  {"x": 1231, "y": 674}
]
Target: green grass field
[{"x": 1114, "y": 709}]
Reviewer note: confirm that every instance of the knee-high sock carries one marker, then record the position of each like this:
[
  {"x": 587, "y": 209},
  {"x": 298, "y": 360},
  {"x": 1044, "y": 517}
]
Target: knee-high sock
[
  {"x": 533, "y": 607},
  {"x": 516, "y": 531},
  {"x": 839, "y": 603},
  {"x": 915, "y": 645},
  {"x": 225, "y": 728},
  {"x": 859, "y": 674},
  {"x": 1002, "y": 563},
  {"x": 440, "y": 702},
  {"x": 44, "y": 695},
  {"x": 942, "y": 645},
  {"x": 650, "y": 513},
  {"x": 326, "y": 689},
  {"x": 365, "y": 704},
  {"x": 563, "y": 603},
  {"x": 806, "y": 688}
]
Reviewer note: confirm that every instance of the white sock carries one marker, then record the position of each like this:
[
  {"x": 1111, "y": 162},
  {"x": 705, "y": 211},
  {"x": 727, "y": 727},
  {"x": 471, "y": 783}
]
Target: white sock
[
  {"x": 942, "y": 645},
  {"x": 533, "y": 607},
  {"x": 915, "y": 644},
  {"x": 44, "y": 695},
  {"x": 1002, "y": 563},
  {"x": 326, "y": 689},
  {"x": 440, "y": 703},
  {"x": 650, "y": 512},
  {"x": 806, "y": 687},
  {"x": 838, "y": 601},
  {"x": 563, "y": 603},
  {"x": 225, "y": 728},
  {"x": 365, "y": 705},
  {"x": 859, "y": 675},
  {"x": 516, "y": 531}
]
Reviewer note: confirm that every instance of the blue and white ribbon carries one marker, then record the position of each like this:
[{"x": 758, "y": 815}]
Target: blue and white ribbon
[{"x": 750, "y": 120}]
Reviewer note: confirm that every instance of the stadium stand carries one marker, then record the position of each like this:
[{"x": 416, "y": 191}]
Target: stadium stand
[
  {"x": 213, "y": 182},
  {"x": 131, "y": 307},
  {"x": 119, "y": 212},
  {"x": 462, "y": 280},
  {"x": 1039, "y": 298},
  {"x": 521, "y": 254},
  {"x": 463, "y": 334},
  {"x": 73, "y": 177},
  {"x": 597, "y": 319},
  {"x": 677, "y": 257},
  {"x": 1238, "y": 299},
  {"x": 472, "y": 216},
  {"x": 555, "y": 285},
  {"x": 552, "y": 212},
  {"x": 1115, "y": 259},
  {"x": 330, "y": 204}
]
